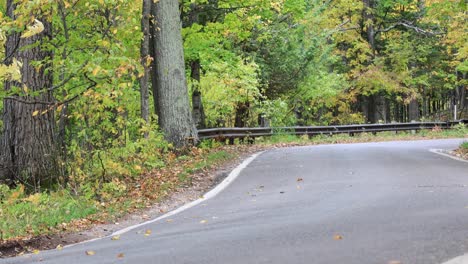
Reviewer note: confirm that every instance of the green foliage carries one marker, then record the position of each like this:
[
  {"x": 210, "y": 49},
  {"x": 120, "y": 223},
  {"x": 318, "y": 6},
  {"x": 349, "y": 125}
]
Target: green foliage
[
  {"x": 224, "y": 86},
  {"x": 108, "y": 167},
  {"x": 22, "y": 214},
  {"x": 464, "y": 146}
]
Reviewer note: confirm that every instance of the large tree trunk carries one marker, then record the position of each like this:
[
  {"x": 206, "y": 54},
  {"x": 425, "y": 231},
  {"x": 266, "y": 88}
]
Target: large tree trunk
[
  {"x": 146, "y": 61},
  {"x": 28, "y": 152},
  {"x": 173, "y": 105}
]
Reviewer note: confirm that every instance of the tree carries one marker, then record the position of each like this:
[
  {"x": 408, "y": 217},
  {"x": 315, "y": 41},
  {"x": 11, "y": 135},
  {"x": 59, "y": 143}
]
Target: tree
[
  {"x": 28, "y": 150},
  {"x": 146, "y": 60},
  {"x": 170, "y": 89}
]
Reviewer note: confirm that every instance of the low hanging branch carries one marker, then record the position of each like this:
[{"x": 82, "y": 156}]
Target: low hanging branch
[
  {"x": 410, "y": 25},
  {"x": 55, "y": 104}
]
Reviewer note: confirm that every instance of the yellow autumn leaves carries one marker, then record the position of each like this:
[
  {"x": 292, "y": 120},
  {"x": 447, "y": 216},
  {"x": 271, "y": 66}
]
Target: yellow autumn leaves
[
  {"x": 35, "y": 28},
  {"x": 11, "y": 72}
]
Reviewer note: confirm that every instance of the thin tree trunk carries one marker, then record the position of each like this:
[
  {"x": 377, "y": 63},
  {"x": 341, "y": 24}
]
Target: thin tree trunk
[
  {"x": 28, "y": 148},
  {"x": 173, "y": 105},
  {"x": 242, "y": 114},
  {"x": 198, "y": 111},
  {"x": 368, "y": 15},
  {"x": 146, "y": 61},
  {"x": 413, "y": 112}
]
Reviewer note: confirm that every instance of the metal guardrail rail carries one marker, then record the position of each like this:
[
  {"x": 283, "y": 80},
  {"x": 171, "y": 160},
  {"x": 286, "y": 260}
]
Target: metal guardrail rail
[{"x": 233, "y": 133}]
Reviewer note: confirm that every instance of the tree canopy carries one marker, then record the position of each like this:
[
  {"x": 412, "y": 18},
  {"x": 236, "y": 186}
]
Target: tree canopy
[{"x": 247, "y": 63}]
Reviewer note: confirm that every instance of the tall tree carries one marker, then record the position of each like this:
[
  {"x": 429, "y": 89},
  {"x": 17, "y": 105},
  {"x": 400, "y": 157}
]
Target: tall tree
[
  {"x": 28, "y": 151},
  {"x": 172, "y": 102},
  {"x": 146, "y": 60}
]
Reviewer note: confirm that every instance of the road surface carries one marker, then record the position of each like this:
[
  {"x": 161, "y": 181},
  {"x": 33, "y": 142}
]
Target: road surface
[{"x": 351, "y": 204}]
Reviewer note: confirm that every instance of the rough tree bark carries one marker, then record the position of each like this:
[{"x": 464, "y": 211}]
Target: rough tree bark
[
  {"x": 171, "y": 92},
  {"x": 28, "y": 150},
  {"x": 146, "y": 61}
]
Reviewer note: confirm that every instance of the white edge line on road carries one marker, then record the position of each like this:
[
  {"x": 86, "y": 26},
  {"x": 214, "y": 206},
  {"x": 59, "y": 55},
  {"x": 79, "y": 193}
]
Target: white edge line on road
[
  {"x": 215, "y": 191},
  {"x": 441, "y": 152},
  {"x": 459, "y": 260}
]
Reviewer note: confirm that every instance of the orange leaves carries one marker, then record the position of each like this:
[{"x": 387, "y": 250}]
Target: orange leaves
[{"x": 337, "y": 237}]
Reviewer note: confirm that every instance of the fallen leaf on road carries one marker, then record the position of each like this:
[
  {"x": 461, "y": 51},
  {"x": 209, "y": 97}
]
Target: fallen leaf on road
[
  {"x": 148, "y": 232},
  {"x": 169, "y": 220},
  {"x": 90, "y": 253},
  {"x": 337, "y": 237},
  {"x": 120, "y": 255},
  {"x": 115, "y": 238},
  {"x": 36, "y": 251},
  {"x": 300, "y": 179},
  {"x": 59, "y": 247},
  {"x": 203, "y": 222}
]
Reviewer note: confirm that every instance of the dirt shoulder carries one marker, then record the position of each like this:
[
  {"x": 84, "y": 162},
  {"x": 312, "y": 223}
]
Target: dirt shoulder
[{"x": 460, "y": 153}]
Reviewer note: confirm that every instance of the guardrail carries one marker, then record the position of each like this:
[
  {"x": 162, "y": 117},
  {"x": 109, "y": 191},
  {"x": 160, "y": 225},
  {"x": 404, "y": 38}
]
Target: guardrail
[{"x": 252, "y": 133}]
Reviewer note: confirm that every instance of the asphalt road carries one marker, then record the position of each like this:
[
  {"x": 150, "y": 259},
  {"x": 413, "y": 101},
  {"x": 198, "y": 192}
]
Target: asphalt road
[{"x": 351, "y": 204}]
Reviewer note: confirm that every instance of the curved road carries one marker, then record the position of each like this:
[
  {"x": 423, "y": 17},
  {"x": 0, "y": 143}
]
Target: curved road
[{"x": 351, "y": 204}]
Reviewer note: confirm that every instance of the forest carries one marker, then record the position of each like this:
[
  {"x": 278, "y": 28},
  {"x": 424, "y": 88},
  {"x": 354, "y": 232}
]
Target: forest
[{"x": 94, "y": 92}]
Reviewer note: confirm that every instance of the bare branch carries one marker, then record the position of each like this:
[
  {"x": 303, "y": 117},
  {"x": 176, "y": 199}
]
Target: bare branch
[{"x": 409, "y": 25}]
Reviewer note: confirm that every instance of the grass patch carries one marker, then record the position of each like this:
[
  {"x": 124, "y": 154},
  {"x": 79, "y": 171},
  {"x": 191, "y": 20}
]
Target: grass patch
[
  {"x": 463, "y": 150},
  {"x": 459, "y": 131},
  {"x": 24, "y": 215},
  {"x": 464, "y": 146}
]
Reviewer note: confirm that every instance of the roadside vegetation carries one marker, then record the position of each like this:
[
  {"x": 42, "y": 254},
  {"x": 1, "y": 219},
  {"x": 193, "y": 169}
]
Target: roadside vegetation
[
  {"x": 24, "y": 215},
  {"x": 462, "y": 151}
]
